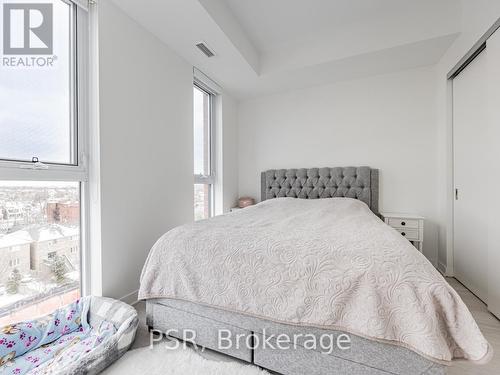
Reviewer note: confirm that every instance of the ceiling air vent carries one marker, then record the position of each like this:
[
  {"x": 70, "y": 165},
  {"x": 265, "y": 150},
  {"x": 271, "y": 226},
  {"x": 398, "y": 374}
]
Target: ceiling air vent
[{"x": 204, "y": 48}]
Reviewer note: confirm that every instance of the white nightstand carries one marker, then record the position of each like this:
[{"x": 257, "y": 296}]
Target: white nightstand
[{"x": 409, "y": 225}]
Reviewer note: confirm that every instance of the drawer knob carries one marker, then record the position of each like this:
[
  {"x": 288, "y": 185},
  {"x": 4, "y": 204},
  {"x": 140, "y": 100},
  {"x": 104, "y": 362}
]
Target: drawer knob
[
  {"x": 403, "y": 233},
  {"x": 403, "y": 223}
]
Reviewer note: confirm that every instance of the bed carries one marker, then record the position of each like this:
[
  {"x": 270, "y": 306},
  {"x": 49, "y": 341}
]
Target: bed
[{"x": 322, "y": 265}]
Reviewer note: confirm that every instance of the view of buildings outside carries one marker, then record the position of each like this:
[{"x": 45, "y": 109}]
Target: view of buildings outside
[
  {"x": 201, "y": 201},
  {"x": 39, "y": 247}
]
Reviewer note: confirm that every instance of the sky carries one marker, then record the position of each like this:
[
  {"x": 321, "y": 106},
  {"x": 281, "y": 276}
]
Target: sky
[
  {"x": 35, "y": 102},
  {"x": 198, "y": 100},
  {"x": 43, "y": 184}
]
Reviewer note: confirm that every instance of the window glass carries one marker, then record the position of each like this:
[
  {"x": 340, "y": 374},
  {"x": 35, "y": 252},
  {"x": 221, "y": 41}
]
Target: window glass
[
  {"x": 39, "y": 248},
  {"x": 203, "y": 174},
  {"x": 36, "y": 116},
  {"x": 202, "y": 140},
  {"x": 202, "y": 193}
]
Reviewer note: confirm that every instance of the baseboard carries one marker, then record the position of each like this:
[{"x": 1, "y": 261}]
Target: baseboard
[
  {"x": 441, "y": 268},
  {"x": 131, "y": 298}
]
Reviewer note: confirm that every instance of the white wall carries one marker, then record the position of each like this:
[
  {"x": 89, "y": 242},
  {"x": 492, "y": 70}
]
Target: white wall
[
  {"x": 146, "y": 146},
  {"x": 227, "y": 154},
  {"x": 386, "y": 122},
  {"x": 477, "y": 17}
]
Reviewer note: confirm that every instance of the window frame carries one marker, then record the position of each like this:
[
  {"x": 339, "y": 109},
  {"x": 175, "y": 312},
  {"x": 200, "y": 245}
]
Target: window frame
[
  {"x": 16, "y": 170},
  {"x": 200, "y": 179}
]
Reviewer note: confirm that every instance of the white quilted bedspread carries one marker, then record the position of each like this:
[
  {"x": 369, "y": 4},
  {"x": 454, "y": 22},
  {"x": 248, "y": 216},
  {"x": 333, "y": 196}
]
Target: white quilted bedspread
[{"x": 327, "y": 263}]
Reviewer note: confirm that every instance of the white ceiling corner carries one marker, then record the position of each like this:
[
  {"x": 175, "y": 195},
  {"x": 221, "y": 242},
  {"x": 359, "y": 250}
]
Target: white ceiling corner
[{"x": 224, "y": 18}]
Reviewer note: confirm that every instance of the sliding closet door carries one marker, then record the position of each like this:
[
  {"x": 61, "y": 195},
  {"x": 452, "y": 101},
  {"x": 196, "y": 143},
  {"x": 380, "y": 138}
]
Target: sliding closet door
[{"x": 470, "y": 128}]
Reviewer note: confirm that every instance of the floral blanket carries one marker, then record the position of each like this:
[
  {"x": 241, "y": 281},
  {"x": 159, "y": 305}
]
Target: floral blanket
[{"x": 40, "y": 346}]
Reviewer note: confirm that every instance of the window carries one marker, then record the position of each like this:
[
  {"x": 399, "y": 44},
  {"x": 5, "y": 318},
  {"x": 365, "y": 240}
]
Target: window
[
  {"x": 43, "y": 174},
  {"x": 203, "y": 153},
  {"x": 26, "y": 129}
]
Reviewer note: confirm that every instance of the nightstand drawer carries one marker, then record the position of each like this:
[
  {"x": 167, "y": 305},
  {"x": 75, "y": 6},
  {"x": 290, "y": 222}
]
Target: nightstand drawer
[
  {"x": 403, "y": 223},
  {"x": 411, "y": 226},
  {"x": 409, "y": 233}
]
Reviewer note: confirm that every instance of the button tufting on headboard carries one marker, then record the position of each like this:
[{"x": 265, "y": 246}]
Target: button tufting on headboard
[{"x": 313, "y": 183}]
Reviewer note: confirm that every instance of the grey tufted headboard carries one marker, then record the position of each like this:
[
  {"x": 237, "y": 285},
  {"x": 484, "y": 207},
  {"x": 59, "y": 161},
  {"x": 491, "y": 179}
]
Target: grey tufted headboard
[{"x": 350, "y": 182}]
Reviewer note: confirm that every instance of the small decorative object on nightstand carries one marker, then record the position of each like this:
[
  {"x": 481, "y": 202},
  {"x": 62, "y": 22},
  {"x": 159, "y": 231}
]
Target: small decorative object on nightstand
[
  {"x": 245, "y": 202},
  {"x": 242, "y": 203},
  {"x": 409, "y": 225}
]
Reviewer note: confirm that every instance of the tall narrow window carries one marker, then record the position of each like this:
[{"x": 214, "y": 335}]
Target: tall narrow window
[
  {"x": 43, "y": 174},
  {"x": 203, "y": 148}
]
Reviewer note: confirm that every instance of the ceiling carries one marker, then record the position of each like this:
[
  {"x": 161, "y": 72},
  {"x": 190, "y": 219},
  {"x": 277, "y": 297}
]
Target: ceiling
[
  {"x": 268, "y": 46},
  {"x": 272, "y": 24}
]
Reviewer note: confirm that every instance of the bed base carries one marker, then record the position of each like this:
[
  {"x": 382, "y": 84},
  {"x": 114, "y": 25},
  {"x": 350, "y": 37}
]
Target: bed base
[{"x": 179, "y": 318}]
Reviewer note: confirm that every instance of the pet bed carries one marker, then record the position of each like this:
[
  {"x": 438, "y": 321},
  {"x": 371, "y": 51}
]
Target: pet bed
[{"x": 81, "y": 338}]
